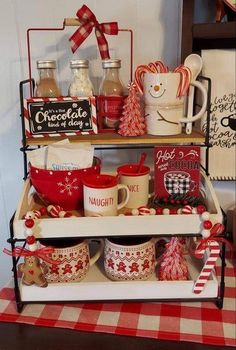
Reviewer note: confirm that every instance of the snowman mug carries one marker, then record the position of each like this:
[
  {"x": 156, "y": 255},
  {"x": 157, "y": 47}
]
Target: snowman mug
[
  {"x": 101, "y": 195},
  {"x": 164, "y": 110}
]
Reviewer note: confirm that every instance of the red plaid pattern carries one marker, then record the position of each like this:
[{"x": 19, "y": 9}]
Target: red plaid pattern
[
  {"x": 89, "y": 21},
  {"x": 200, "y": 322}
]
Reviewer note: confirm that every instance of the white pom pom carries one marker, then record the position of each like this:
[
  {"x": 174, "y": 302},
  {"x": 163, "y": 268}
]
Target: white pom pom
[
  {"x": 28, "y": 232},
  {"x": 152, "y": 211},
  {"x": 61, "y": 214},
  {"x": 166, "y": 211},
  {"x": 205, "y": 216},
  {"x": 135, "y": 211},
  {"x": 194, "y": 210},
  {"x": 33, "y": 247},
  {"x": 205, "y": 233}
]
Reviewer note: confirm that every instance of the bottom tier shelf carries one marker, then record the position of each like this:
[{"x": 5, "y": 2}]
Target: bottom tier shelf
[{"x": 97, "y": 287}]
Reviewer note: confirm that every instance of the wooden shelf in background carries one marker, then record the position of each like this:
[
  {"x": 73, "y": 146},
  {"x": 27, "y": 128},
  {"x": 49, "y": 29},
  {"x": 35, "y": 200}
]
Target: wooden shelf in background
[
  {"x": 225, "y": 30},
  {"x": 196, "y": 137},
  {"x": 214, "y": 36}
]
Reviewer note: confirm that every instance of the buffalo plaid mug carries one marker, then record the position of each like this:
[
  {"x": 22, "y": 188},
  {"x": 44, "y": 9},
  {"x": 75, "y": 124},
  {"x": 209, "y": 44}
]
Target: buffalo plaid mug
[{"x": 178, "y": 182}]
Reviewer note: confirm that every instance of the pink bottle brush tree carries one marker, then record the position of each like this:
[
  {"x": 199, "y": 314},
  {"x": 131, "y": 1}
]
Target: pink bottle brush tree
[
  {"x": 132, "y": 122},
  {"x": 173, "y": 264}
]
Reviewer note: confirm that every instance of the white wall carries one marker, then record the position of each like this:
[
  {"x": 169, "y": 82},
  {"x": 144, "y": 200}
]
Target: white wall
[{"x": 156, "y": 26}]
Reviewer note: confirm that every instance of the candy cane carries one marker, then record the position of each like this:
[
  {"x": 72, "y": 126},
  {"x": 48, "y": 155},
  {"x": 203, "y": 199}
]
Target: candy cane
[
  {"x": 185, "y": 78},
  {"x": 208, "y": 267},
  {"x": 153, "y": 67},
  {"x": 54, "y": 210},
  {"x": 161, "y": 67},
  {"x": 138, "y": 76}
]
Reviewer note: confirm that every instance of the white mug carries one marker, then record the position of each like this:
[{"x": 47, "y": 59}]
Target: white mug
[
  {"x": 137, "y": 183},
  {"x": 131, "y": 258},
  {"x": 75, "y": 260},
  {"x": 164, "y": 110},
  {"x": 101, "y": 195}
]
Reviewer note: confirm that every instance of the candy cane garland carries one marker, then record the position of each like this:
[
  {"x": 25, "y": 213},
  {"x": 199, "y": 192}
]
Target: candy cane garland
[{"x": 208, "y": 267}]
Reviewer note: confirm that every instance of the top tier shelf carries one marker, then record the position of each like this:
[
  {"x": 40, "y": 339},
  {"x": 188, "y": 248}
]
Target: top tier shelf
[{"x": 196, "y": 137}]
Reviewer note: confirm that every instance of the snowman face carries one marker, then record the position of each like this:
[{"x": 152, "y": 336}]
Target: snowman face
[{"x": 156, "y": 89}]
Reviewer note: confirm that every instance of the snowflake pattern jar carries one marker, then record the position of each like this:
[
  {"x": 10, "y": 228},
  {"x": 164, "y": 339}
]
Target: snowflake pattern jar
[{"x": 81, "y": 84}]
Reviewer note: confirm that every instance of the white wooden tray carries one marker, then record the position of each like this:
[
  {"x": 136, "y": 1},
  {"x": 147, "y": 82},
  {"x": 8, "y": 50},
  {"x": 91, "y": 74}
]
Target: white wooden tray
[
  {"x": 96, "y": 286},
  {"x": 114, "y": 225}
]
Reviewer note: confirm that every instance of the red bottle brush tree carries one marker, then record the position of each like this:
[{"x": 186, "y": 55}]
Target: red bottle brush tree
[
  {"x": 132, "y": 122},
  {"x": 173, "y": 264}
]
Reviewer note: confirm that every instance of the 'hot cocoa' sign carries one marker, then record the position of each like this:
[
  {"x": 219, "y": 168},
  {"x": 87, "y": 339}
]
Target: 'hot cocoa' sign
[
  {"x": 177, "y": 170},
  {"x": 59, "y": 116}
]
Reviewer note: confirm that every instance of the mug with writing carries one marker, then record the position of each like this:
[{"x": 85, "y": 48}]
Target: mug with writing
[
  {"x": 74, "y": 257},
  {"x": 178, "y": 182},
  {"x": 101, "y": 195},
  {"x": 164, "y": 107},
  {"x": 137, "y": 181},
  {"x": 229, "y": 121},
  {"x": 131, "y": 258}
]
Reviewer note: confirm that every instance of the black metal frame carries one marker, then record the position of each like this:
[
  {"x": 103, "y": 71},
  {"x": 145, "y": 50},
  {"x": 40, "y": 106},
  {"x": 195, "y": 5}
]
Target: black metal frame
[{"x": 219, "y": 299}]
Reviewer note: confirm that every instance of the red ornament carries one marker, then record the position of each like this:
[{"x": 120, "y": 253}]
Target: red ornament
[
  {"x": 29, "y": 223},
  {"x": 173, "y": 211},
  {"x": 43, "y": 211},
  {"x": 30, "y": 239},
  {"x": 159, "y": 211},
  {"x": 207, "y": 224},
  {"x": 165, "y": 199},
  {"x": 201, "y": 208}
]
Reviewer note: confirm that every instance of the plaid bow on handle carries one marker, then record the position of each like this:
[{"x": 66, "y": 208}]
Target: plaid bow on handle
[{"x": 88, "y": 20}]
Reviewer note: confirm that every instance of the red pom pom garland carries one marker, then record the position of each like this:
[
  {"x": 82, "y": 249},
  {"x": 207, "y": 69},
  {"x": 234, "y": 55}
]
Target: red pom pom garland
[{"x": 29, "y": 223}]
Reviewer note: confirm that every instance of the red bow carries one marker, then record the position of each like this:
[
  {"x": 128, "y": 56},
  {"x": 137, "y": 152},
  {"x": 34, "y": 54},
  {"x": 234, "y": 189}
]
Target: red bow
[
  {"x": 41, "y": 253},
  {"x": 88, "y": 20},
  {"x": 216, "y": 230}
]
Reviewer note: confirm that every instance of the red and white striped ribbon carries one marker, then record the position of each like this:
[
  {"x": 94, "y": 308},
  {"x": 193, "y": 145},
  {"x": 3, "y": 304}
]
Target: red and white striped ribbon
[{"x": 88, "y": 22}]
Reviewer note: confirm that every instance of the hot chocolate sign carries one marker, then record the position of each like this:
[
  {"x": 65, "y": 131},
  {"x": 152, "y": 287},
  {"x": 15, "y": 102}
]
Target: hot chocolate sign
[
  {"x": 59, "y": 116},
  {"x": 177, "y": 170}
]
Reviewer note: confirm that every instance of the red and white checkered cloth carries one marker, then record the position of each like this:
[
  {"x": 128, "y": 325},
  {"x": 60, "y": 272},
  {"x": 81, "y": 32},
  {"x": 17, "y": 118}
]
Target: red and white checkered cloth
[{"x": 200, "y": 322}]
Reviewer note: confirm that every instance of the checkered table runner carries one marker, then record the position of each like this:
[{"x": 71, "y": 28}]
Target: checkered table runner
[{"x": 200, "y": 322}]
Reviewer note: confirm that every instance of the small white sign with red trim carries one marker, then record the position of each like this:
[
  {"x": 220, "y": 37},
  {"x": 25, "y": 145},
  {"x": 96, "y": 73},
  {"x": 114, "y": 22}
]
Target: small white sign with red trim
[{"x": 60, "y": 116}]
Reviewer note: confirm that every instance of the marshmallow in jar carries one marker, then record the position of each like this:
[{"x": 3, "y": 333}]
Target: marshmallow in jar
[{"x": 81, "y": 85}]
